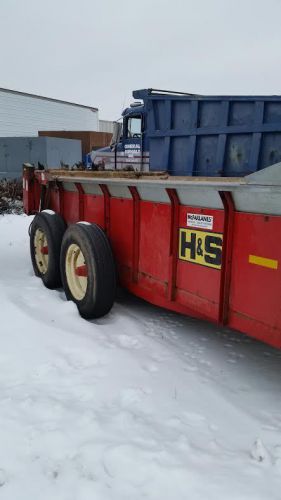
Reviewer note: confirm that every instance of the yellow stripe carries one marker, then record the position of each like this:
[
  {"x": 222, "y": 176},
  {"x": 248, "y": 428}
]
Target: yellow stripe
[{"x": 262, "y": 261}]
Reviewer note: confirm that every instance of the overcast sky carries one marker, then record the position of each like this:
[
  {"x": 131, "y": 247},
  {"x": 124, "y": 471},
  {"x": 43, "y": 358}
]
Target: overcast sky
[{"x": 96, "y": 52}]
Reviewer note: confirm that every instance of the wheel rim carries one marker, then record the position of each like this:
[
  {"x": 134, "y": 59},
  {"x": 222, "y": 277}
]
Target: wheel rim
[
  {"x": 76, "y": 271},
  {"x": 41, "y": 251}
]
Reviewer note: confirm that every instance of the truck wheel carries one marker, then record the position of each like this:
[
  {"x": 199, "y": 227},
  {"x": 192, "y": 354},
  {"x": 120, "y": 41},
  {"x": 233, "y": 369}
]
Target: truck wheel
[
  {"x": 88, "y": 269},
  {"x": 46, "y": 233}
]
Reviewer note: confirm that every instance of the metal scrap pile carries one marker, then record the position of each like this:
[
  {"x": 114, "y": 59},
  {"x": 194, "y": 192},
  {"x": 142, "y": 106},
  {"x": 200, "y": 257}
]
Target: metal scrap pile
[{"x": 10, "y": 196}]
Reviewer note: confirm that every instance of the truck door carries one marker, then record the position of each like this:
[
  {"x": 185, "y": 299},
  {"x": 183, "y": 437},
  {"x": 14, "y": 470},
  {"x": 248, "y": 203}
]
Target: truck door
[{"x": 133, "y": 142}]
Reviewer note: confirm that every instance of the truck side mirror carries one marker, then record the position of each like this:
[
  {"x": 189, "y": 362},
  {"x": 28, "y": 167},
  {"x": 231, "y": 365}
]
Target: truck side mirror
[{"x": 117, "y": 131}]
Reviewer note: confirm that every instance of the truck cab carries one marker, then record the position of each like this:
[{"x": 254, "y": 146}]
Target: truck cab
[{"x": 127, "y": 149}]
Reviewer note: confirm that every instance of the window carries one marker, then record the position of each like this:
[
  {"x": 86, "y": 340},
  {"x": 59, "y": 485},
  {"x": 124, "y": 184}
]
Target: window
[{"x": 134, "y": 126}]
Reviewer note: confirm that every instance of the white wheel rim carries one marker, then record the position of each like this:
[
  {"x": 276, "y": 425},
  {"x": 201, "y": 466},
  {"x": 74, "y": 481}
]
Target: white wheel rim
[
  {"x": 41, "y": 251},
  {"x": 76, "y": 271}
]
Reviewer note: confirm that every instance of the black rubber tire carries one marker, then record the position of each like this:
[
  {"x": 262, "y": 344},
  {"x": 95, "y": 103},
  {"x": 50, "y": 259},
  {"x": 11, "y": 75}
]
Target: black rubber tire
[
  {"x": 54, "y": 228},
  {"x": 101, "y": 285}
]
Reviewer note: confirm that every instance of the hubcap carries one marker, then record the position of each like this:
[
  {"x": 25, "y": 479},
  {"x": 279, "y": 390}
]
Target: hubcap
[
  {"x": 76, "y": 271},
  {"x": 41, "y": 251}
]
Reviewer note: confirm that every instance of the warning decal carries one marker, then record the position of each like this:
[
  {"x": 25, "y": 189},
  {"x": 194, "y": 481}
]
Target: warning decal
[
  {"x": 201, "y": 247},
  {"x": 199, "y": 220}
]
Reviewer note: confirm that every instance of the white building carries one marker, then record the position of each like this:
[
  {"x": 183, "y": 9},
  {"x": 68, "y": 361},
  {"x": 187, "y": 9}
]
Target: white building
[
  {"x": 24, "y": 114},
  {"x": 106, "y": 126}
]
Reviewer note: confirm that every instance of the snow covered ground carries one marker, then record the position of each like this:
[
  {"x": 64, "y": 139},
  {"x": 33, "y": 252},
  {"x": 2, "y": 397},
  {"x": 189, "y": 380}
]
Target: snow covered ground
[{"x": 142, "y": 404}]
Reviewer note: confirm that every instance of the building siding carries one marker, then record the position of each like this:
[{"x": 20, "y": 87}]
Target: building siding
[
  {"x": 23, "y": 115},
  {"x": 49, "y": 151},
  {"x": 106, "y": 126}
]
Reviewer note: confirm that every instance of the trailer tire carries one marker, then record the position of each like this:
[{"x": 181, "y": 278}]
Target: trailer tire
[
  {"x": 88, "y": 269},
  {"x": 46, "y": 233}
]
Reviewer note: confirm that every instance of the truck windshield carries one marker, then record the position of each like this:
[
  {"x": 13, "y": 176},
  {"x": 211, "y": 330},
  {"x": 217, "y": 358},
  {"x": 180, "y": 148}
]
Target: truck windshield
[{"x": 134, "y": 126}]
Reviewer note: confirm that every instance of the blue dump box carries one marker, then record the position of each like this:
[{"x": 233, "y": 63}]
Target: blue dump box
[{"x": 211, "y": 135}]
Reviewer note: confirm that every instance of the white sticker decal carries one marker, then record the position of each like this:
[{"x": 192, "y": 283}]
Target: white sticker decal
[{"x": 199, "y": 220}]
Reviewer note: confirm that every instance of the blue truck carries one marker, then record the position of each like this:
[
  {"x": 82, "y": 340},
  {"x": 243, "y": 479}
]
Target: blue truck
[{"x": 194, "y": 135}]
